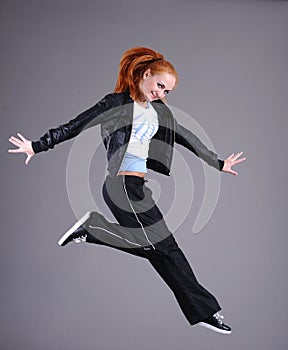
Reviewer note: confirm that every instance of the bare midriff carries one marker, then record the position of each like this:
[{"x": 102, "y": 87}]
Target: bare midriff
[{"x": 132, "y": 173}]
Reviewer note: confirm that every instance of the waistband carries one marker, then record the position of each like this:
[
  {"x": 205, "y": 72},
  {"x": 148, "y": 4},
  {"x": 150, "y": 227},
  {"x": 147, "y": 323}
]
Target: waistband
[{"x": 127, "y": 178}]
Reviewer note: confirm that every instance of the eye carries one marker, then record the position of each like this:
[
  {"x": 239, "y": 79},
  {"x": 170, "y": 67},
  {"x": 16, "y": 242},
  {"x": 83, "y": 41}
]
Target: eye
[{"x": 162, "y": 86}]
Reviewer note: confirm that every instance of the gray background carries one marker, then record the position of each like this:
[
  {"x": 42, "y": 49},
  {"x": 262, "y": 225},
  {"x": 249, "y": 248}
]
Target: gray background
[{"x": 60, "y": 57}]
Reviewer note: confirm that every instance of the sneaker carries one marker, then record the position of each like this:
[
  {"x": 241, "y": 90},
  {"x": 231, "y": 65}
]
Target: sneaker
[
  {"x": 216, "y": 324},
  {"x": 76, "y": 233}
]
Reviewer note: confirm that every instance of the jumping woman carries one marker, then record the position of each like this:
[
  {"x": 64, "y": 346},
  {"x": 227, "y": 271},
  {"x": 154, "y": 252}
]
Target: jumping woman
[{"x": 139, "y": 131}]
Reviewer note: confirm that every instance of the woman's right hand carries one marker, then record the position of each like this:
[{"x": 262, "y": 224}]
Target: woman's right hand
[{"x": 24, "y": 146}]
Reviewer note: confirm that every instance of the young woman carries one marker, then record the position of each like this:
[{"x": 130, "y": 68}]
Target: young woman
[{"x": 139, "y": 131}]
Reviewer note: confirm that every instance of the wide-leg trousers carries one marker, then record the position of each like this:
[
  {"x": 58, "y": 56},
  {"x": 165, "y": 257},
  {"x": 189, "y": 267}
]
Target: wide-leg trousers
[{"x": 141, "y": 230}]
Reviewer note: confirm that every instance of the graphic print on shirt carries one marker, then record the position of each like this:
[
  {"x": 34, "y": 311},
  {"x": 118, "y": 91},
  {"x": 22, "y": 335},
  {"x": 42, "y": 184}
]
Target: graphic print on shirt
[{"x": 144, "y": 127}]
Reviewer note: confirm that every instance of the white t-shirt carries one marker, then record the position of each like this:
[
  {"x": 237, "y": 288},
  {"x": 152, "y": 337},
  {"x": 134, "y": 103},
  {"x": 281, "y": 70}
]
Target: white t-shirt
[{"x": 145, "y": 126}]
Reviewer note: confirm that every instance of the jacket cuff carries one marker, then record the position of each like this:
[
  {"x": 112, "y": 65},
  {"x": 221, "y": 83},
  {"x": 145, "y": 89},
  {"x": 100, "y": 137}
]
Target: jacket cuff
[
  {"x": 221, "y": 164},
  {"x": 36, "y": 146}
]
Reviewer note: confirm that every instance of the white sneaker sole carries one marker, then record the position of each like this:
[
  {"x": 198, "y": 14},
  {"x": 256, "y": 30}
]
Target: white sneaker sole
[
  {"x": 213, "y": 328},
  {"x": 73, "y": 228}
]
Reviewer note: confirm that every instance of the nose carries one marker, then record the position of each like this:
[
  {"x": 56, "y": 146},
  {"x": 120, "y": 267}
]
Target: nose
[{"x": 160, "y": 93}]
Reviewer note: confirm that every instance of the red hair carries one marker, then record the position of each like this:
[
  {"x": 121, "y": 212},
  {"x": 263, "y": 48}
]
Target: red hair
[{"x": 134, "y": 62}]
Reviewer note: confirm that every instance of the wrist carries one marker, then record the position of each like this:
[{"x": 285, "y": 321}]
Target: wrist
[{"x": 221, "y": 164}]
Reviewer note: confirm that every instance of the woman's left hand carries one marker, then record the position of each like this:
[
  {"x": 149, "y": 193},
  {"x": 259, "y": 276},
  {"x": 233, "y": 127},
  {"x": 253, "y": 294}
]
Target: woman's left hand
[{"x": 231, "y": 161}]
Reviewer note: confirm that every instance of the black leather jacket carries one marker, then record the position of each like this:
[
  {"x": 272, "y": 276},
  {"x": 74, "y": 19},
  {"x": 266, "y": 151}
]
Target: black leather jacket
[{"x": 115, "y": 115}]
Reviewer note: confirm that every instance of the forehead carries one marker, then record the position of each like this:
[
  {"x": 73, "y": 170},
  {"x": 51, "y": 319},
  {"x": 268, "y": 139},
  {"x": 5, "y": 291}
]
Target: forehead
[{"x": 167, "y": 79}]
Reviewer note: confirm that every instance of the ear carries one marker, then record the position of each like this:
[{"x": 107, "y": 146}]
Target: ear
[{"x": 146, "y": 73}]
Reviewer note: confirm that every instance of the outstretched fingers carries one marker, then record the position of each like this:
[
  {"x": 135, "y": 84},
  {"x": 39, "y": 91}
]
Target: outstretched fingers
[
  {"x": 236, "y": 160},
  {"x": 21, "y": 137},
  {"x": 232, "y": 160},
  {"x": 239, "y": 160},
  {"x": 15, "y": 141},
  {"x": 24, "y": 146},
  {"x": 15, "y": 150}
]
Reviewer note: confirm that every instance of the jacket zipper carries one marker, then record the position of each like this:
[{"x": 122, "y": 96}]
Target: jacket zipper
[
  {"x": 127, "y": 144},
  {"x": 174, "y": 133}
]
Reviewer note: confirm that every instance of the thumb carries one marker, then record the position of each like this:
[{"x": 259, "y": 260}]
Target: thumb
[{"x": 28, "y": 159}]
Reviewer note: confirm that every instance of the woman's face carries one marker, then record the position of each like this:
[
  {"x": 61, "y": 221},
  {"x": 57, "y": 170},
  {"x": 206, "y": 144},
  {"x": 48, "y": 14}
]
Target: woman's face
[{"x": 157, "y": 86}]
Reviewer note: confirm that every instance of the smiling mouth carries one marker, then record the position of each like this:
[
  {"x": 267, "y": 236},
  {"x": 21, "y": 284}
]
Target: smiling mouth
[{"x": 154, "y": 95}]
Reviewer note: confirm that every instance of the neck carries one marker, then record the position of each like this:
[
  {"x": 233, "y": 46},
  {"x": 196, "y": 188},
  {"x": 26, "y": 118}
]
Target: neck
[{"x": 143, "y": 104}]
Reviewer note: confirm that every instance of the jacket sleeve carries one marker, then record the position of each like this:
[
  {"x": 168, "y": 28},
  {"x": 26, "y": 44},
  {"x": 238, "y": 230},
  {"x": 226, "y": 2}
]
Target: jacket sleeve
[
  {"x": 91, "y": 117},
  {"x": 187, "y": 139}
]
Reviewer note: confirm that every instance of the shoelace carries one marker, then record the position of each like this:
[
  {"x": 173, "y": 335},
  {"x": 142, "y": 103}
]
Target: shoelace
[
  {"x": 80, "y": 239},
  {"x": 219, "y": 317}
]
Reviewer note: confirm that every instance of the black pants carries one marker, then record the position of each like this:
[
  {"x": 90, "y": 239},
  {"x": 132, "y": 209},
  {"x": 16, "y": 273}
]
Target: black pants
[{"x": 143, "y": 232}]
